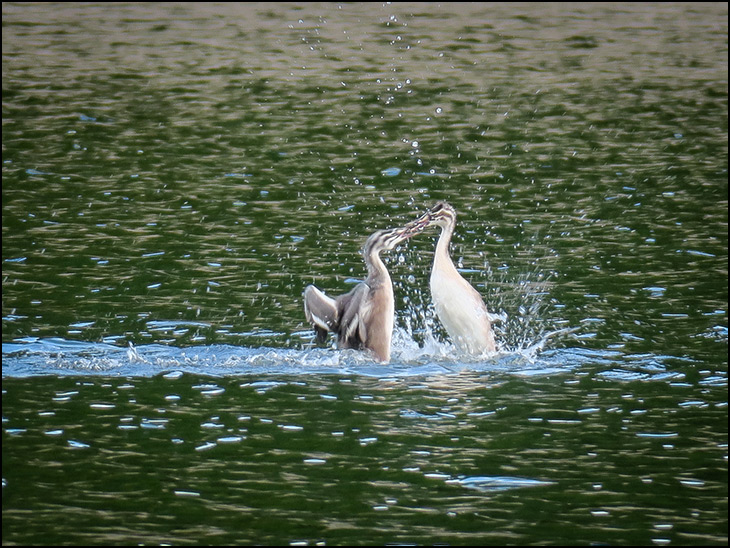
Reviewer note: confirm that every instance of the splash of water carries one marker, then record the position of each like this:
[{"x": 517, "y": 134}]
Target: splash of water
[
  {"x": 521, "y": 311},
  {"x": 434, "y": 359}
]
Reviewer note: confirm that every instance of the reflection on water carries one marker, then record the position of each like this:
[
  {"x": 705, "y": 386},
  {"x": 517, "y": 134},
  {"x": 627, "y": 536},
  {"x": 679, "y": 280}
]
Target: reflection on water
[
  {"x": 175, "y": 175},
  {"x": 576, "y": 445}
]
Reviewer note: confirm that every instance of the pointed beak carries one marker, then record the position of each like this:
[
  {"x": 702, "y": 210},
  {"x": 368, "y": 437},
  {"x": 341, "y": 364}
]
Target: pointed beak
[
  {"x": 403, "y": 233},
  {"x": 395, "y": 236},
  {"x": 417, "y": 225}
]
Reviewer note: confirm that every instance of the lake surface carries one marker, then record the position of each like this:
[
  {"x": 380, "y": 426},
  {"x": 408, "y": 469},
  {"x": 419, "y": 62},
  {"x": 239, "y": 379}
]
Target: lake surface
[{"x": 175, "y": 175}]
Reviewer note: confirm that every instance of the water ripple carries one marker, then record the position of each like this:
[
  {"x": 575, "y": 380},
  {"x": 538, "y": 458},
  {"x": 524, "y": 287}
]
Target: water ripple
[
  {"x": 58, "y": 356},
  {"x": 496, "y": 483}
]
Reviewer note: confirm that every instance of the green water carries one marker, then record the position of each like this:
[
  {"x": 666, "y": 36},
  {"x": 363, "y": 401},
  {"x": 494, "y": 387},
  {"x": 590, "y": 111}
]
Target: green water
[{"x": 175, "y": 175}]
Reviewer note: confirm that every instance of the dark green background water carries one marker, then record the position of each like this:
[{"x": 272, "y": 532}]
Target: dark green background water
[{"x": 174, "y": 176}]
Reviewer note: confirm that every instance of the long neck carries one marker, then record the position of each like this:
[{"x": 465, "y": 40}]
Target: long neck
[
  {"x": 377, "y": 273},
  {"x": 442, "y": 256}
]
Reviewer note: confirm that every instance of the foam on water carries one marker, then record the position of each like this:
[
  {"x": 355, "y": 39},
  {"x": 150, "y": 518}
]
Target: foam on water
[{"x": 55, "y": 356}]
